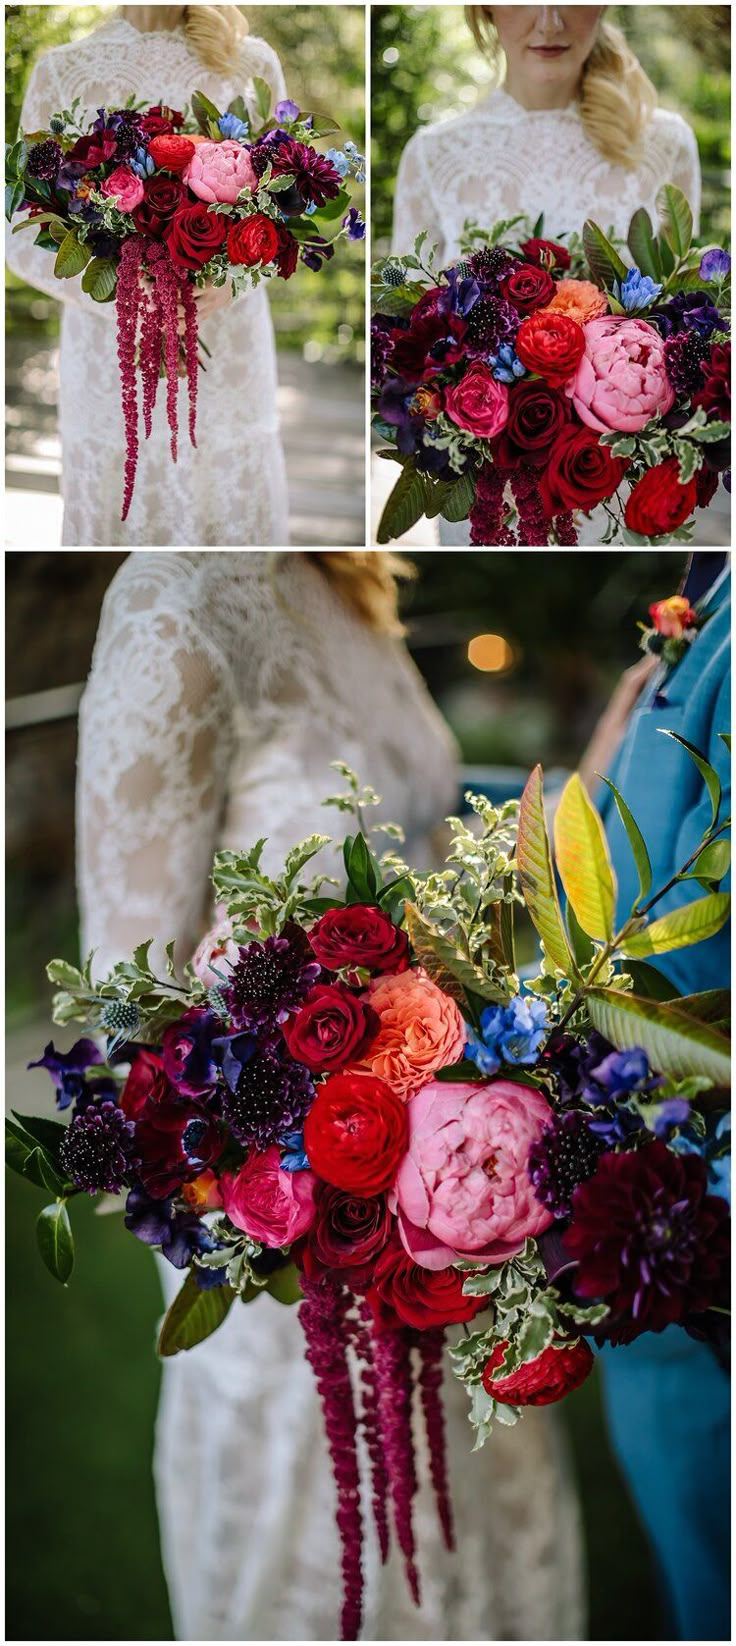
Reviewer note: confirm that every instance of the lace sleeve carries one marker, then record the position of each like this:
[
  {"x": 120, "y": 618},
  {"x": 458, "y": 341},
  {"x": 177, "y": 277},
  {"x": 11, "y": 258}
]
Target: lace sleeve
[
  {"x": 260, "y": 59},
  {"x": 46, "y": 95},
  {"x": 414, "y": 205},
  {"x": 154, "y": 750}
]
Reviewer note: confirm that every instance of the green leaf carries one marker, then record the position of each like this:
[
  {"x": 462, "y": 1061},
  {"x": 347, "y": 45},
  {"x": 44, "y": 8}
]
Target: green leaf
[
  {"x": 693, "y": 923},
  {"x": 302, "y": 854},
  {"x": 263, "y": 96},
  {"x": 332, "y": 208},
  {"x": 285, "y": 1285},
  {"x": 709, "y": 775},
  {"x": 650, "y": 982},
  {"x": 713, "y": 863},
  {"x": 582, "y": 945},
  {"x": 41, "y": 1170},
  {"x": 459, "y": 499},
  {"x": 48, "y": 1133},
  {"x": 15, "y": 194},
  {"x": 464, "y": 1070},
  {"x": 16, "y": 157},
  {"x": 362, "y": 872},
  {"x": 193, "y": 1316},
  {"x": 536, "y": 874},
  {"x": 444, "y": 963},
  {"x": 636, "y": 841},
  {"x": 665, "y": 254},
  {"x": 643, "y": 246},
  {"x": 20, "y": 1154},
  {"x": 204, "y": 111},
  {"x": 711, "y": 1006},
  {"x": 71, "y": 257},
  {"x": 583, "y": 861},
  {"x": 603, "y": 259},
  {"x": 100, "y": 279},
  {"x": 676, "y": 218},
  {"x": 675, "y": 1042},
  {"x": 404, "y": 507},
  {"x": 238, "y": 108},
  {"x": 55, "y": 1240}
]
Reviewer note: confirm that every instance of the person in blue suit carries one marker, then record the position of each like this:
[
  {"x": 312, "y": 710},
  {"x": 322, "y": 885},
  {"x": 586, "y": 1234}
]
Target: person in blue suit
[{"x": 666, "y": 1395}]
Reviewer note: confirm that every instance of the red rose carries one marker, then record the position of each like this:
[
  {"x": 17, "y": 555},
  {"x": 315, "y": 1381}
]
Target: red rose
[
  {"x": 551, "y": 344},
  {"x": 253, "y": 240},
  {"x": 162, "y": 196},
  {"x": 356, "y": 1133},
  {"x": 554, "y": 1373},
  {"x": 404, "y": 1294},
  {"x": 659, "y": 502},
  {"x": 706, "y": 486},
  {"x": 359, "y": 935},
  {"x": 579, "y": 473},
  {"x": 332, "y": 1028},
  {"x": 194, "y": 235},
  {"x": 546, "y": 254},
  {"x": 287, "y": 255},
  {"x": 94, "y": 149},
  {"x": 537, "y": 414},
  {"x": 171, "y": 152},
  {"x": 528, "y": 288},
  {"x": 348, "y": 1232},
  {"x": 160, "y": 120}
]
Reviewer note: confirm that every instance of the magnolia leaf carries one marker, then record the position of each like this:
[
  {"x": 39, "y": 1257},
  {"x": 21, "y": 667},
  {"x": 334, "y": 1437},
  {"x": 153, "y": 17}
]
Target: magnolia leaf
[
  {"x": 583, "y": 861},
  {"x": 709, "y": 775},
  {"x": 635, "y": 839},
  {"x": 49, "y": 1133},
  {"x": 712, "y": 1006},
  {"x": 675, "y": 1043},
  {"x": 713, "y": 863},
  {"x": 459, "y": 499},
  {"x": 55, "y": 1240},
  {"x": 193, "y": 1316},
  {"x": 404, "y": 507},
  {"x": 444, "y": 963},
  {"x": 263, "y": 96},
  {"x": 643, "y": 246},
  {"x": 536, "y": 875},
  {"x": 693, "y": 923},
  {"x": 71, "y": 257},
  {"x": 100, "y": 279},
  {"x": 204, "y": 112},
  {"x": 285, "y": 1285},
  {"x": 676, "y": 218},
  {"x": 650, "y": 982},
  {"x": 603, "y": 259}
]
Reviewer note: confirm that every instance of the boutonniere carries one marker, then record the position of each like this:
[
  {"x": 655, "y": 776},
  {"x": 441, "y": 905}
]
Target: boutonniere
[{"x": 675, "y": 624}]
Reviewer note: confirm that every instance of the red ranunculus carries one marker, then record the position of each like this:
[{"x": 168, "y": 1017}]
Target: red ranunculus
[
  {"x": 171, "y": 152},
  {"x": 194, "y": 234},
  {"x": 348, "y": 1233},
  {"x": 94, "y": 149},
  {"x": 659, "y": 502},
  {"x": 555, "y": 1373},
  {"x": 550, "y": 344},
  {"x": 528, "y": 287},
  {"x": 537, "y": 414},
  {"x": 162, "y": 197},
  {"x": 359, "y": 935},
  {"x": 176, "y": 1138},
  {"x": 547, "y": 254},
  {"x": 405, "y": 1294},
  {"x": 579, "y": 473},
  {"x": 332, "y": 1028},
  {"x": 287, "y": 255},
  {"x": 253, "y": 240},
  {"x": 356, "y": 1133}
]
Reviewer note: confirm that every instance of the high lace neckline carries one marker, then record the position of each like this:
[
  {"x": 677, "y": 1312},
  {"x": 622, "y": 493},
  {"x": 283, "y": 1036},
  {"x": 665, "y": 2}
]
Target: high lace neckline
[
  {"x": 177, "y": 33},
  {"x": 500, "y": 98}
]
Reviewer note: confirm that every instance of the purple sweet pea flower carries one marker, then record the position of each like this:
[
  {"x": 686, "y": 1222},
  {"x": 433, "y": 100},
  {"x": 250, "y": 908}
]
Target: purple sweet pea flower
[
  {"x": 179, "y": 1234},
  {"x": 286, "y": 109},
  {"x": 188, "y": 1052},
  {"x": 715, "y": 264},
  {"x": 353, "y": 222},
  {"x": 461, "y": 294},
  {"x": 316, "y": 252},
  {"x": 67, "y": 1069},
  {"x": 232, "y": 1052},
  {"x": 688, "y": 311}
]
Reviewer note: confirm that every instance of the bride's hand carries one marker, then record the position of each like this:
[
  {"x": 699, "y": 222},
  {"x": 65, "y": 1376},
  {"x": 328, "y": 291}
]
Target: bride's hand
[
  {"x": 614, "y": 720},
  {"x": 211, "y": 298}
]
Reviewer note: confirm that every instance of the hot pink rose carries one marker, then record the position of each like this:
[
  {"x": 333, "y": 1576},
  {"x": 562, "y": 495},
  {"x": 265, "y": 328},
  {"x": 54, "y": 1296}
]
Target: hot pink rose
[
  {"x": 463, "y": 1189},
  {"x": 269, "y": 1204},
  {"x": 218, "y": 171},
  {"x": 127, "y": 188},
  {"x": 478, "y": 403},
  {"x": 621, "y": 382},
  {"x": 217, "y": 953}
]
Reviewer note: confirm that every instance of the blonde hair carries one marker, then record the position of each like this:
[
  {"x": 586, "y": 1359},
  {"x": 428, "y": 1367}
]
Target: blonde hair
[
  {"x": 215, "y": 33},
  {"x": 616, "y": 98},
  {"x": 368, "y": 580}
]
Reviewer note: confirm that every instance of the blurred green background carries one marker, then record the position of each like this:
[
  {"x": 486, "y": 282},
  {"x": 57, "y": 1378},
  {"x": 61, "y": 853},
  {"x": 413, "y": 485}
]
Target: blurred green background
[
  {"x": 82, "y": 1375},
  {"x": 322, "y": 51},
  {"x": 426, "y": 66}
]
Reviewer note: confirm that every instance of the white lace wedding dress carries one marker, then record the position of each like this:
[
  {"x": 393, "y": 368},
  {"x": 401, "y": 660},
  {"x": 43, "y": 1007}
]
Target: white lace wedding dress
[
  {"x": 232, "y": 490},
  {"x": 221, "y": 688},
  {"x": 501, "y": 159}
]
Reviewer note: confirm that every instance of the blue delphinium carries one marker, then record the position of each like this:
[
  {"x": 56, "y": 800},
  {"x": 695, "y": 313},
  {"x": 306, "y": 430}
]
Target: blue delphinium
[
  {"x": 357, "y": 161},
  {"x": 715, "y": 264},
  {"x": 142, "y": 164},
  {"x": 293, "y": 1156},
  {"x": 508, "y": 1034},
  {"x": 636, "y": 292},
  {"x": 339, "y": 160},
  {"x": 232, "y": 127},
  {"x": 506, "y": 365}
]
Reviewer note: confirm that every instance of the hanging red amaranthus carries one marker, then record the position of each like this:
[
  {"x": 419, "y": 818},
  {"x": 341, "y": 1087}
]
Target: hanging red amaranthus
[
  {"x": 371, "y": 1423},
  {"x": 431, "y": 1346},
  {"x": 486, "y": 515},
  {"x": 565, "y": 528},
  {"x": 127, "y": 302},
  {"x": 151, "y": 290},
  {"x": 323, "y": 1316},
  {"x": 190, "y": 352},
  {"x": 392, "y": 1354},
  {"x": 533, "y": 522}
]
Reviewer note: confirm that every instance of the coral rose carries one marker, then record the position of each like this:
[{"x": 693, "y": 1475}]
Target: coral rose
[
  {"x": 124, "y": 188},
  {"x": 672, "y": 617},
  {"x": 420, "y": 1031},
  {"x": 478, "y": 403},
  {"x": 355, "y": 1133},
  {"x": 659, "y": 502},
  {"x": 560, "y": 1368},
  {"x": 550, "y": 344},
  {"x": 579, "y": 299},
  {"x": 621, "y": 381},
  {"x": 267, "y": 1203},
  {"x": 463, "y": 1188},
  {"x": 218, "y": 171}
]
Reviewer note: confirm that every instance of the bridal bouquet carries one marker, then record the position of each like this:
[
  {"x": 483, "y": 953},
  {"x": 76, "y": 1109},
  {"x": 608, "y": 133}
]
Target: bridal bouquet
[
  {"x": 355, "y": 1104},
  {"x": 523, "y": 385},
  {"x": 147, "y": 204}
]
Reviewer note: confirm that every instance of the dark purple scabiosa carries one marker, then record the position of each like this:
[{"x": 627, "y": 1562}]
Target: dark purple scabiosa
[
  {"x": 97, "y": 1150},
  {"x": 564, "y": 1156},
  {"x": 684, "y": 354},
  {"x": 270, "y": 979},
  {"x": 126, "y": 125},
  {"x": 649, "y": 1240},
  {"x": 383, "y": 330},
  {"x": 491, "y": 322},
  {"x": 67, "y": 1069},
  {"x": 44, "y": 160},
  {"x": 490, "y": 264},
  {"x": 270, "y": 1098}
]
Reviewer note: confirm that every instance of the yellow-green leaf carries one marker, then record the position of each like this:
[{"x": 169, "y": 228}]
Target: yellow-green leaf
[
  {"x": 71, "y": 257},
  {"x": 536, "y": 875},
  {"x": 675, "y": 1043},
  {"x": 693, "y": 923},
  {"x": 583, "y": 861},
  {"x": 193, "y": 1316}
]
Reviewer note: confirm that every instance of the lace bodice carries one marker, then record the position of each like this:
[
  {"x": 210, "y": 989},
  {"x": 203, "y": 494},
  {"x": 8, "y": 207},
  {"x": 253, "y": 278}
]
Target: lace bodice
[
  {"x": 232, "y": 490},
  {"x": 500, "y": 159}
]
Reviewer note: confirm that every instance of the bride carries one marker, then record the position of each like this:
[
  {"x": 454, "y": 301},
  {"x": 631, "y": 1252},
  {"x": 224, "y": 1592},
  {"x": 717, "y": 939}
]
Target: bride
[
  {"x": 232, "y": 490},
  {"x": 222, "y": 687}
]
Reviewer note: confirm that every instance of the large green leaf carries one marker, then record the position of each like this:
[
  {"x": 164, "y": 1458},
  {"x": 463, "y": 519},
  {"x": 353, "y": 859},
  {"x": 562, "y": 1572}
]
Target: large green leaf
[
  {"x": 676, "y": 218},
  {"x": 444, "y": 963},
  {"x": 71, "y": 257},
  {"x": 263, "y": 96},
  {"x": 204, "y": 112},
  {"x": 583, "y": 861},
  {"x": 459, "y": 499},
  {"x": 536, "y": 875},
  {"x": 55, "y": 1240},
  {"x": 193, "y": 1316},
  {"x": 709, "y": 775},
  {"x": 100, "y": 279},
  {"x": 603, "y": 259},
  {"x": 649, "y": 981},
  {"x": 404, "y": 507},
  {"x": 675, "y": 1043},
  {"x": 635, "y": 839},
  {"x": 643, "y": 246},
  {"x": 712, "y": 1006},
  {"x": 49, "y": 1133},
  {"x": 693, "y": 923},
  {"x": 713, "y": 863},
  {"x": 285, "y": 1285}
]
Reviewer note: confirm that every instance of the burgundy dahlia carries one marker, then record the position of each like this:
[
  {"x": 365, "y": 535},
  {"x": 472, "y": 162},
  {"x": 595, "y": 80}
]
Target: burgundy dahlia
[
  {"x": 44, "y": 160},
  {"x": 271, "y": 979},
  {"x": 564, "y": 1156},
  {"x": 315, "y": 177},
  {"x": 714, "y": 395},
  {"x": 96, "y": 1150},
  {"x": 272, "y": 1097},
  {"x": 649, "y": 1240}
]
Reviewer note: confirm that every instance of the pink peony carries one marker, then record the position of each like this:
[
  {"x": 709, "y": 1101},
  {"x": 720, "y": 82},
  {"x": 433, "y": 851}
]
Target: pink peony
[
  {"x": 217, "y": 953},
  {"x": 621, "y": 382},
  {"x": 421, "y": 1031},
  {"x": 125, "y": 186},
  {"x": 218, "y": 171},
  {"x": 269, "y": 1204},
  {"x": 463, "y": 1189}
]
